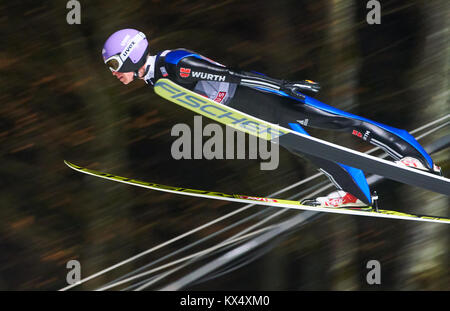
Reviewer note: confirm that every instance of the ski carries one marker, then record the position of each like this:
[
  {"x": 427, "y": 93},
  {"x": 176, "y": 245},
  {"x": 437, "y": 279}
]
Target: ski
[
  {"x": 258, "y": 200},
  {"x": 296, "y": 141}
]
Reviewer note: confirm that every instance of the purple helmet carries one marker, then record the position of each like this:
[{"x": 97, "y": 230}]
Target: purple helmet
[{"x": 125, "y": 50}]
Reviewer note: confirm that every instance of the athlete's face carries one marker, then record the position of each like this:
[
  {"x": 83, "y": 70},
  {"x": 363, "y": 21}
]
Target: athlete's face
[{"x": 124, "y": 77}]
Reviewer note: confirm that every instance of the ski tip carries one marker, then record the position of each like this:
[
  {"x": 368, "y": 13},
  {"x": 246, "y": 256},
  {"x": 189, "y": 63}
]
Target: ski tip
[{"x": 71, "y": 165}]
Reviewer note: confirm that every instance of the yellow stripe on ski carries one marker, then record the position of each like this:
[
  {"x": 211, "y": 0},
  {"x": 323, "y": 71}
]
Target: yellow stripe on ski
[{"x": 255, "y": 199}]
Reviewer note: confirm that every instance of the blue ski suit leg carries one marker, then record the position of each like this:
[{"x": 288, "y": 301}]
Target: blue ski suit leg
[
  {"x": 290, "y": 112},
  {"x": 395, "y": 142},
  {"x": 344, "y": 177}
]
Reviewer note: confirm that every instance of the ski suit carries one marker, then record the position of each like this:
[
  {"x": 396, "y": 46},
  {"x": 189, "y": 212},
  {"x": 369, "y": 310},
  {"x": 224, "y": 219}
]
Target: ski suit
[{"x": 272, "y": 100}]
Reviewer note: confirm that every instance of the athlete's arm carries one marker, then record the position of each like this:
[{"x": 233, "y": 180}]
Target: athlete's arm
[{"x": 193, "y": 67}]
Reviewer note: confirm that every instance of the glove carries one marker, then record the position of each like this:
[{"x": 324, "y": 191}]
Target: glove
[{"x": 296, "y": 87}]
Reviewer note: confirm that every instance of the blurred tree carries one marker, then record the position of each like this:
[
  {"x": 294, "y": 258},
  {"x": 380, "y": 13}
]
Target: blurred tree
[
  {"x": 425, "y": 255},
  {"x": 340, "y": 65}
]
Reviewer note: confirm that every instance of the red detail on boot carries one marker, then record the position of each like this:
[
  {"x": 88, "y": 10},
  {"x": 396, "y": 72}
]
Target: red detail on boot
[
  {"x": 346, "y": 199},
  {"x": 409, "y": 162}
]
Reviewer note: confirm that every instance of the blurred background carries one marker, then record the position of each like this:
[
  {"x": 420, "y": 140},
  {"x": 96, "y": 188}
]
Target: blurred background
[{"x": 59, "y": 101}]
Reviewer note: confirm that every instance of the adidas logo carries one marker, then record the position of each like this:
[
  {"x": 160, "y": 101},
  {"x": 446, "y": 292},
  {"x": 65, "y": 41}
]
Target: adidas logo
[{"x": 303, "y": 122}]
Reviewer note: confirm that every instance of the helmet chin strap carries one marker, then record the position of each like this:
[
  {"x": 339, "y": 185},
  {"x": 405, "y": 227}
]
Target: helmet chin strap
[{"x": 136, "y": 73}]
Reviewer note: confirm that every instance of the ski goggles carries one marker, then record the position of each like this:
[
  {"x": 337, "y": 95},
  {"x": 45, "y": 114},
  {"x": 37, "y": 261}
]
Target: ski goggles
[{"x": 121, "y": 61}]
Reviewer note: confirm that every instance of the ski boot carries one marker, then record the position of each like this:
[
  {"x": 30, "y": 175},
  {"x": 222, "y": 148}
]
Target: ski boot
[
  {"x": 417, "y": 164},
  {"x": 336, "y": 199}
]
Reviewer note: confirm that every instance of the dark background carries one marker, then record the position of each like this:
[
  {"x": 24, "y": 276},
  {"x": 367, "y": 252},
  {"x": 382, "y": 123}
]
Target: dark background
[{"x": 59, "y": 101}]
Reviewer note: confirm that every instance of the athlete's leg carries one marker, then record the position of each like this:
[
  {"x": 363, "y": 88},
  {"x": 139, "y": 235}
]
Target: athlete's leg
[
  {"x": 396, "y": 142},
  {"x": 344, "y": 177},
  {"x": 280, "y": 110}
]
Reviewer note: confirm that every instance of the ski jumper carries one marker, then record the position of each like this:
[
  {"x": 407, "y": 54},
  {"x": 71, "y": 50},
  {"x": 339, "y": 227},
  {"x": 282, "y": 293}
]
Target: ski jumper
[{"x": 277, "y": 102}]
